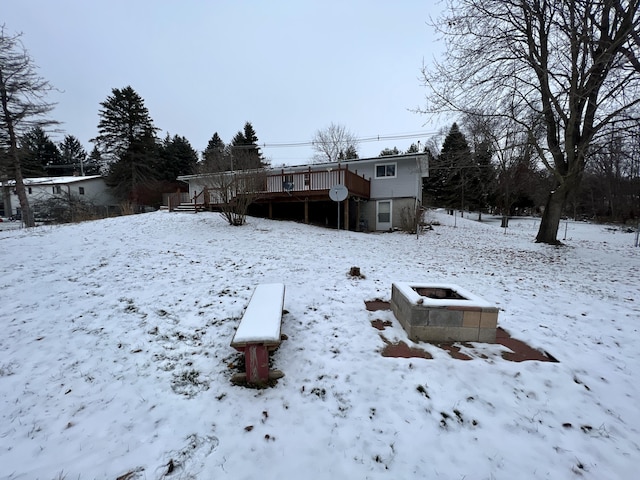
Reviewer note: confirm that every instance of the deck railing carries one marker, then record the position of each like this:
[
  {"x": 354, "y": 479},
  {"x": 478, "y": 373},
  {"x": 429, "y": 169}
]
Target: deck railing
[
  {"x": 318, "y": 181},
  {"x": 172, "y": 200},
  {"x": 285, "y": 184}
]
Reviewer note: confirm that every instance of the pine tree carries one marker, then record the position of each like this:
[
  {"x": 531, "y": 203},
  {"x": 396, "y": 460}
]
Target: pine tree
[
  {"x": 126, "y": 138},
  {"x": 450, "y": 174},
  {"x": 244, "y": 149},
  {"x": 389, "y": 151},
  {"x": 483, "y": 182},
  {"x": 94, "y": 163},
  {"x": 39, "y": 155},
  {"x": 413, "y": 148},
  {"x": 176, "y": 157},
  {"x": 72, "y": 156},
  {"x": 349, "y": 153},
  {"x": 215, "y": 157}
]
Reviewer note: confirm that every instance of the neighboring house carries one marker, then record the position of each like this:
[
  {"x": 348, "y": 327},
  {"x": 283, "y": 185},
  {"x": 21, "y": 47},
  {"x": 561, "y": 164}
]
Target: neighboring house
[
  {"x": 91, "y": 189},
  {"x": 382, "y": 191}
]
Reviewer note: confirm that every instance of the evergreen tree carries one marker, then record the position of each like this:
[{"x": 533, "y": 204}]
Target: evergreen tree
[
  {"x": 413, "y": 148},
  {"x": 244, "y": 149},
  {"x": 39, "y": 155},
  {"x": 124, "y": 120},
  {"x": 176, "y": 157},
  {"x": 457, "y": 159},
  {"x": 483, "y": 182},
  {"x": 215, "y": 158},
  {"x": 126, "y": 138},
  {"x": 94, "y": 163},
  {"x": 389, "y": 151},
  {"x": 450, "y": 174},
  {"x": 135, "y": 171},
  {"x": 349, "y": 153},
  {"x": 73, "y": 156}
]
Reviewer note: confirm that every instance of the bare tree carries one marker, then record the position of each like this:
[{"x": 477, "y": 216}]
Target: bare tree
[
  {"x": 23, "y": 106},
  {"x": 514, "y": 154},
  {"x": 334, "y": 143},
  {"x": 571, "y": 64},
  {"x": 230, "y": 191}
]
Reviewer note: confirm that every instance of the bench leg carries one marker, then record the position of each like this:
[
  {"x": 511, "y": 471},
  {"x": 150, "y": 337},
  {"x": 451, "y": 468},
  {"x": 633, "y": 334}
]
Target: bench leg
[{"x": 256, "y": 359}]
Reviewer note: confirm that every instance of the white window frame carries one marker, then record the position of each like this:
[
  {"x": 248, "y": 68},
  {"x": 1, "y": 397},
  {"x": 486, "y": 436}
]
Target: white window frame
[{"x": 386, "y": 164}]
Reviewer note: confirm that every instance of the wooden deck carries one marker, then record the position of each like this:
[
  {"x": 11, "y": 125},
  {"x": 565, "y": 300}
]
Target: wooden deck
[
  {"x": 307, "y": 185},
  {"x": 313, "y": 184}
]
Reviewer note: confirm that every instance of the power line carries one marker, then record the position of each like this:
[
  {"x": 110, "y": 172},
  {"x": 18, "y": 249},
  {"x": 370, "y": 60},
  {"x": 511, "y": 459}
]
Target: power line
[{"x": 371, "y": 138}]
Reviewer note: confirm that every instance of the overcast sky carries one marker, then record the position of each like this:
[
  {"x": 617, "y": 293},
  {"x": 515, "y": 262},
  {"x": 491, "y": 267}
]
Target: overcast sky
[{"x": 288, "y": 67}]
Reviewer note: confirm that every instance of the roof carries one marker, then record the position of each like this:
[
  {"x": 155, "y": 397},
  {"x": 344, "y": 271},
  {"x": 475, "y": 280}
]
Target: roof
[
  {"x": 328, "y": 165},
  {"x": 352, "y": 161},
  {"x": 55, "y": 180}
]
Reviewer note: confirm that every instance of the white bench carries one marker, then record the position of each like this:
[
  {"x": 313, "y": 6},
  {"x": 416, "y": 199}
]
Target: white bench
[{"x": 259, "y": 332}]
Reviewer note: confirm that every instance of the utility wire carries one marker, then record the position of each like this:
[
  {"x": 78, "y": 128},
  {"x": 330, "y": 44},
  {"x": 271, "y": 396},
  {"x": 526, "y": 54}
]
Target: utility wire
[{"x": 372, "y": 138}]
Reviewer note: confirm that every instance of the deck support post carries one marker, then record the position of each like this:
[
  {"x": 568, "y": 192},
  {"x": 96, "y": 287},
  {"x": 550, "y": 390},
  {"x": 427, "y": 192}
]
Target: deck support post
[
  {"x": 306, "y": 210},
  {"x": 346, "y": 214}
]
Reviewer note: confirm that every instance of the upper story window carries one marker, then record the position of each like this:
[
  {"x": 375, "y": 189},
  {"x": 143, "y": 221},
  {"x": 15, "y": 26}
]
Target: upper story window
[
  {"x": 57, "y": 190},
  {"x": 81, "y": 190},
  {"x": 385, "y": 170}
]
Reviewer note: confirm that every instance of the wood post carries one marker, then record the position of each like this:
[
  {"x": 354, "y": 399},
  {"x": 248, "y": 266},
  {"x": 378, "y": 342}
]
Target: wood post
[
  {"x": 346, "y": 213},
  {"x": 306, "y": 210},
  {"x": 256, "y": 359}
]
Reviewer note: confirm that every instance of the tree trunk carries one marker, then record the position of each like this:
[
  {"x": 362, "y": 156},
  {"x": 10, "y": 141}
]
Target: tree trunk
[
  {"x": 548, "y": 231},
  {"x": 25, "y": 209}
]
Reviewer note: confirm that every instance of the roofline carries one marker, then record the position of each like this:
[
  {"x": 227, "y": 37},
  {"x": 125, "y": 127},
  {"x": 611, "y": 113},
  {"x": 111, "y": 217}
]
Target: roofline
[
  {"x": 351, "y": 161},
  {"x": 54, "y": 180}
]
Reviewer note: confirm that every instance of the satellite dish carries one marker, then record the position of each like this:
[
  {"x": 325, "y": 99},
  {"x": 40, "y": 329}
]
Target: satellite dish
[{"x": 338, "y": 193}]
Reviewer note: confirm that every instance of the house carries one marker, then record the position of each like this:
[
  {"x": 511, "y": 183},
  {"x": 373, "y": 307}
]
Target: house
[
  {"x": 90, "y": 189},
  {"x": 383, "y": 193}
]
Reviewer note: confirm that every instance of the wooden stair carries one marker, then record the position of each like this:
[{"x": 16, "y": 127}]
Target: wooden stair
[{"x": 189, "y": 207}]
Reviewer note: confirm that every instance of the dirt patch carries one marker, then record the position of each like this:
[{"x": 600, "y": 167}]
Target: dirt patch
[
  {"x": 380, "y": 325},
  {"x": 402, "y": 350},
  {"x": 375, "y": 305},
  {"x": 520, "y": 351},
  {"x": 454, "y": 351}
]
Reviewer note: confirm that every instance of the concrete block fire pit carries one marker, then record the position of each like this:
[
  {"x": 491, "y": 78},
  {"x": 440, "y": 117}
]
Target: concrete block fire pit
[{"x": 443, "y": 313}]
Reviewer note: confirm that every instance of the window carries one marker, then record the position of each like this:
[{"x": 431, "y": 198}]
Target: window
[
  {"x": 385, "y": 170},
  {"x": 307, "y": 179},
  {"x": 30, "y": 191},
  {"x": 81, "y": 190},
  {"x": 287, "y": 183},
  {"x": 57, "y": 190}
]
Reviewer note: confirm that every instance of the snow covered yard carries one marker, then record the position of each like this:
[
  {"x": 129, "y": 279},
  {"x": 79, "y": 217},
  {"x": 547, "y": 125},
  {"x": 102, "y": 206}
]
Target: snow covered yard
[{"x": 115, "y": 360}]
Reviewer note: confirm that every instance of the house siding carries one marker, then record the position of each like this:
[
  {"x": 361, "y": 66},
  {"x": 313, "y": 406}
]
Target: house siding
[
  {"x": 368, "y": 212},
  {"x": 39, "y": 190},
  {"x": 403, "y": 188}
]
